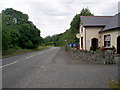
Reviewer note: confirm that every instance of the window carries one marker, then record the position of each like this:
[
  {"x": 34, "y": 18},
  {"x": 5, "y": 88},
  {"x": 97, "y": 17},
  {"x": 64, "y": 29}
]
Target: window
[{"x": 107, "y": 40}]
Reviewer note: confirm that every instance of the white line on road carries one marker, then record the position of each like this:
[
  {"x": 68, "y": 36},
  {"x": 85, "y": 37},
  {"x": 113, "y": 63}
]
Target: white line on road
[
  {"x": 21, "y": 59},
  {"x": 29, "y": 57},
  {"x": 41, "y": 53},
  {"x": 9, "y": 64}
]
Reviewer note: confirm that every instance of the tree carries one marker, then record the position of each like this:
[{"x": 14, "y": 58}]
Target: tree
[
  {"x": 86, "y": 12},
  {"x": 18, "y": 31}
]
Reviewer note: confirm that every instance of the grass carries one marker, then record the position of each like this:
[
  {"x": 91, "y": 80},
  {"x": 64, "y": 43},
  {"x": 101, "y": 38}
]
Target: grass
[
  {"x": 39, "y": 48},
  {"x": 114, "y": 84},
  {"x": 14, "y": 52}
]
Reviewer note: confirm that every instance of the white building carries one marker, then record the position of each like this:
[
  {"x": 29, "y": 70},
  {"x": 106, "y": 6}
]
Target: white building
[{"x": 100, "y": 31}]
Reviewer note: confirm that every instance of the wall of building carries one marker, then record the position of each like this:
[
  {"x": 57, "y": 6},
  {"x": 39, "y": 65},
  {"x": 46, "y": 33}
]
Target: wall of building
[
  {"x": 114, "y": 34},
  {"x": 82, "y": 34},
  {"x": 92, "y": 32},
  {"x": 88, "y": 34}
]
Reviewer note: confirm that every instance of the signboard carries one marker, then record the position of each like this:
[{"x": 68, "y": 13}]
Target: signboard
[{"x": 78, "y": 35}]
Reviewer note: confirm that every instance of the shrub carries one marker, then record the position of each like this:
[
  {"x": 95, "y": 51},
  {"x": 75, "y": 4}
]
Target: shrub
[
  {"x": 115, "y": 84},
  {"x": 113, "y": 48},
  {"x": 102, "y": 48},
  {"x": 28, "y": 44},
  {"x": 16, "y": 47},
  {"x": 91, "y": 48},
  {"x": 98, "y": 48}
]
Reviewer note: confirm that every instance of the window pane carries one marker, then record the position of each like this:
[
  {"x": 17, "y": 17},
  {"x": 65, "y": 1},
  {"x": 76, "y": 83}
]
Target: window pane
[{"x": 107, "y": 40}]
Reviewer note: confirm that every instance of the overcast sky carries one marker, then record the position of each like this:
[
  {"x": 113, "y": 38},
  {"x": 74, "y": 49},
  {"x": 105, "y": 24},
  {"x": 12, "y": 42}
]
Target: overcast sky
[{"x": 54, "y": 16}]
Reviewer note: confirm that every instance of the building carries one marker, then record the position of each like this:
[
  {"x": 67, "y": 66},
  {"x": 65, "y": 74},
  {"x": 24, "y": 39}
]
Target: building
[{"x": 99, "y": 31}]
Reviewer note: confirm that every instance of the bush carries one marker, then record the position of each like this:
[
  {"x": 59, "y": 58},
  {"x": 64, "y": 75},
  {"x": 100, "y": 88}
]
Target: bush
[
  {"x": 115, "y": 84},
  {"x": 16, "y": 47},
  {"x": 98, "y": 48},
  {"x": 28, "y": 44},
  {"x": 91, "y": 48},
  {"x": 113, "y": 48}
]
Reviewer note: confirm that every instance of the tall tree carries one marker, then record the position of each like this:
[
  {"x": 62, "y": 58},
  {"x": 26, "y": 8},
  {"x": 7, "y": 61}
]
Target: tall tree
[
  {"x": 70, "y": 34},
  {"x": 18, "y": 31},
  {"x": 86, "y": 12}
]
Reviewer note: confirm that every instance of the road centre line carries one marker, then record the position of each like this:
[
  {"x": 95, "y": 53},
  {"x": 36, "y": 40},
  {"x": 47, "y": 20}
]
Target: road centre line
[
  {"x": 20, "y": 60},
  {"x": 16, "y": 61},
  {"x": 29, "y": 57},
  {"x": 9, "y": 64},
  {"x": 42, "y": 52}
]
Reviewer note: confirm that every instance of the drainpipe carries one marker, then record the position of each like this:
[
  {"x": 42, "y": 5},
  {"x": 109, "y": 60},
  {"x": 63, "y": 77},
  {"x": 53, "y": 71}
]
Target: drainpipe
[{"x": 85, "y": 38}]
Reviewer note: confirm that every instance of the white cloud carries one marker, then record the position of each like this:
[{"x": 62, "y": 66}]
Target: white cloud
[{"x": 54, "y": 16}]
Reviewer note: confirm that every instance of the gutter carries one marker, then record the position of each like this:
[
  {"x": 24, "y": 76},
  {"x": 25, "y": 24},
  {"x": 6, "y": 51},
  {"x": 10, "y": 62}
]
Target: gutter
[{"x": 117, "y": 28}]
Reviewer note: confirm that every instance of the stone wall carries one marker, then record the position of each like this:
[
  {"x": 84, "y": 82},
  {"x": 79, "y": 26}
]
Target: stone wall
[{"x": 105, "y": 57}]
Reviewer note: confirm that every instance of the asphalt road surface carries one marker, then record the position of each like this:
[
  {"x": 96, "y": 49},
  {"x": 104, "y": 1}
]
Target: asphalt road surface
[{"x": 55, "y": 68}]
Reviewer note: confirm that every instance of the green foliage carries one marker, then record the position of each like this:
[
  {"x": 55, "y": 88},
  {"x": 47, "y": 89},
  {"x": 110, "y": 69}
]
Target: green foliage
[
  {"x": 75, "y": 22},
  {"x": 52, "y": 40},
  {"x": 28, "y": 44},
  {"x": 91, "y": 48},
  {"x": 68, "y": 36},
  {"x": 114, "y": 84},
  {"x": 18, "y": 31},
  {"x": 99, "y": 48},
  {"x": 113, "y": 48},
  {"x": 5, "y": 41},
  {"x": 86, "y": 12}
]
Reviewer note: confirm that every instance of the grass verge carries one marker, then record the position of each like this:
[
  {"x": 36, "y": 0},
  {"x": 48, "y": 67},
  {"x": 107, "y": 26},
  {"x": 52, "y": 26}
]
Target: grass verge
[
  {"x": 14, "y": 52},
  {"x": 114, "y": 84}
]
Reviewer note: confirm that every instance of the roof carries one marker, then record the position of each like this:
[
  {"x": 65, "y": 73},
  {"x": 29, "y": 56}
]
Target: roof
[
  {"x": 95, "y": 20},
  {"x": 113, "y": 23},
  {"x": 107, "y": 22}
]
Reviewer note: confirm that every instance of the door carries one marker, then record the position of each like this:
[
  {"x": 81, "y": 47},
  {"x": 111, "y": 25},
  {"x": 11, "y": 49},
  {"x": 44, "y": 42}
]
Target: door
[
  {"x": 81, "y": 42},
  {"x": 94, "y": 43},
  {"x": 118, "y": 45}
]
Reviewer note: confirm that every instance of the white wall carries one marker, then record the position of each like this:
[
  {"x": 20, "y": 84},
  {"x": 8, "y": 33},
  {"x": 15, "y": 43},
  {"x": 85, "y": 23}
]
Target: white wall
[
  {"x": 114, "y": 34},
  {"x": 82, "y": 34},
  {"x": 92, "y": 32}
]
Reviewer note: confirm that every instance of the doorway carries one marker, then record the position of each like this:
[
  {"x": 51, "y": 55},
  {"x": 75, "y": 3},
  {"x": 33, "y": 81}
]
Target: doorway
[
  {"x": 81, "y": 42},
  {"x": 118, "y": 45},
  {"x": 94, "y": 43}
]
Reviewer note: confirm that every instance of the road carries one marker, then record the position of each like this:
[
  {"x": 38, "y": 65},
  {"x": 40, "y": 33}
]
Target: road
[{"x": 55, "y": 68}]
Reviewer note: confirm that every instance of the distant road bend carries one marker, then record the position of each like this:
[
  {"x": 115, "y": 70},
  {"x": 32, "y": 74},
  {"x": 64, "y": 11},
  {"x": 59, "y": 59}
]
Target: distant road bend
[{"x": 54, "y": 68}]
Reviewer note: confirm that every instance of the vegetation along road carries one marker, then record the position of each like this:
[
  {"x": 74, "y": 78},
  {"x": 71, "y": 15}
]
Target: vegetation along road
[{"x": 55, "y": 68}]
